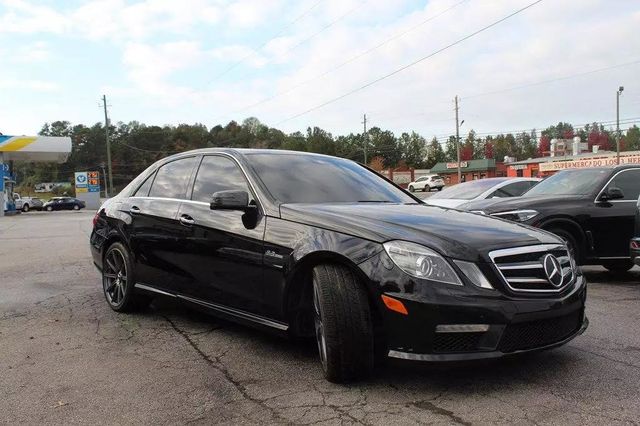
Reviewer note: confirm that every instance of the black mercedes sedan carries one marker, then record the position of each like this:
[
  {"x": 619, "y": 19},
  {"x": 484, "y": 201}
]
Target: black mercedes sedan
[{"x": 310, "y": 245}]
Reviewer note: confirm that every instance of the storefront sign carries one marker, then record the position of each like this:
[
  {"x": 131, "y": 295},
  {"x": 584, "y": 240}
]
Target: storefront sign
[
  {"x": 463, "y": 164},
  {"x": 588, "y": 162},
  {"x": 519, "y": 167}
]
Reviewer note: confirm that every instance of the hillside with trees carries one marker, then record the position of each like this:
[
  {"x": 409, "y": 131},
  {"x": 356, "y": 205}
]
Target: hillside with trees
[{"x": 135, "y": 145}]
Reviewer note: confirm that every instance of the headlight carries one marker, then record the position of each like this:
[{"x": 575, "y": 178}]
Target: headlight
[
  {"x": 421, "y": 262},
  {"x": 517, "y": 215}
]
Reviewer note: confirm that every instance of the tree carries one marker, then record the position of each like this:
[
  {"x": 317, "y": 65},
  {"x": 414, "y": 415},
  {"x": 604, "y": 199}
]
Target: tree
[
  {"x": 632, "y": 138},
  {"x": 384, "y": 144},
  {"x": 435, "y": 153},
  {"x": 320, "y": 141},
  {"x": 488, "y": 149},
  {"x": 414, "y": 150},
  {"x": 544, "y": 146}
]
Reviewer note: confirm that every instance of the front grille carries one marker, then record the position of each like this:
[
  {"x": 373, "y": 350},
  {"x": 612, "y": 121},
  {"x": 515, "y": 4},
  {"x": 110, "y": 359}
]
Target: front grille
[
  {"x": 455, "y": 342},
  {"x": 535, "y": 334},
  {"x": 539, "y": 268}
]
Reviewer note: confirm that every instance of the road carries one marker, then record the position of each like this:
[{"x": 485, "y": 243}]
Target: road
[{"x": 66, "y": 358}]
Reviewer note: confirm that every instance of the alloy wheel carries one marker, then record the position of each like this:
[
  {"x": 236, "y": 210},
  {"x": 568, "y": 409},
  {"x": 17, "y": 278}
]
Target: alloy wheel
[
  {"x": 320, "y": 336},
  {"x": 114, "y": 277}
]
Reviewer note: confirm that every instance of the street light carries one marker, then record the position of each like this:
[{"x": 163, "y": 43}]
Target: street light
[{"x": 618, "y": 93}]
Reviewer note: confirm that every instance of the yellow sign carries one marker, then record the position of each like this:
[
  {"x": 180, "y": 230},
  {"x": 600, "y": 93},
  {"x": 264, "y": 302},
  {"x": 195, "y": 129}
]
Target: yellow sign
[{"x": 82, "y": 189}]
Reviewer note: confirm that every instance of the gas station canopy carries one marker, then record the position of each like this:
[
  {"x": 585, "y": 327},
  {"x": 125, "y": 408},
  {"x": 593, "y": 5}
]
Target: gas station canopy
[{"x": 35, "y": 148}]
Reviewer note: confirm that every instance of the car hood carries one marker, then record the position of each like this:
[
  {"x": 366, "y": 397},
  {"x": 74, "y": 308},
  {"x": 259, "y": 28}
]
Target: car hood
[
  {"x": 516, "y": 203},
  {"x": 444, "y": 202},
  {"x": 453, "y": 233},
  {"x": 481, "y": 205}
]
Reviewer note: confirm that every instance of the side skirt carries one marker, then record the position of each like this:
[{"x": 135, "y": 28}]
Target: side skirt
[{"x": 225, "y": 311}]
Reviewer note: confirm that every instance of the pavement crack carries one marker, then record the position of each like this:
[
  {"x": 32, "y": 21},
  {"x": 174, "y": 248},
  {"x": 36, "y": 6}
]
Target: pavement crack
[
  {"x": 216, "y": 364},
  {"x": 430, "y": 406}
]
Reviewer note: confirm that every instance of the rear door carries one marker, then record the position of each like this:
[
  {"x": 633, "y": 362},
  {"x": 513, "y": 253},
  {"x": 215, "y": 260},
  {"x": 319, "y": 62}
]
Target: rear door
[
  {"x": 612, "y": 222},
  {"x": 154, "y": 229},
  {"x": 221, "y": 250}
]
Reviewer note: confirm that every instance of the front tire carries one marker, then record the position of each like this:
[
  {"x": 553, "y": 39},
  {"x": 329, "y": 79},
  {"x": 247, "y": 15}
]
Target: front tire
[
  {"x": 343, "y": 324},
  {"x": 76, "y": 207},
  {"x": 118, "y": 280},
  {"x": 49, "y": 209},
  {"x": 25, "y": 208},
  {"x": 571, "y": 242}
]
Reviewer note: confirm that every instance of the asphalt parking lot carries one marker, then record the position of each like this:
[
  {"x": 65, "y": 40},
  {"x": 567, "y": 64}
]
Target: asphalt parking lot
[{"x": 66, "y": 358}]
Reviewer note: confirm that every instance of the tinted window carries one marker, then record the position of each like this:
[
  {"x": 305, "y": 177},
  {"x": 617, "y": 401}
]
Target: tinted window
[
  {"x": 570, "y": 182},
  {"x": 303, "y": 178},
  {"x": 515, "y": 189},
  {"x": 217, "y": 174},
  {"x": 143, "y": 191},
  {"x": 172, "y": 179},
  {"x": 629, "y": 182},
  {"x": 467, "y": 190}
]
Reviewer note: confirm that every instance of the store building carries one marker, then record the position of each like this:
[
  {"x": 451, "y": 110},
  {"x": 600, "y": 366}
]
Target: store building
[
  {"x": 470, "y": 170},
  {"x": 546, "y": 166}
]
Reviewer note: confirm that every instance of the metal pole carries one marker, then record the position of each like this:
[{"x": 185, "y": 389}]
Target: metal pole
[
  {"x": 104, "y": 177},
  {"x": 458, "y": 141},
  {"x": 366, "y": 138},
  {"x": 2, "y": 184},
  {"x": 106, "y": 132},
  {"x": 618, "y": 127}
]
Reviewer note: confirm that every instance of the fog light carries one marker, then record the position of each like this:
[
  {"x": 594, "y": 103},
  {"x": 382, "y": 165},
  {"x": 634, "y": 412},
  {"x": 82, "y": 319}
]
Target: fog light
[{"x": 462, "y": 328}]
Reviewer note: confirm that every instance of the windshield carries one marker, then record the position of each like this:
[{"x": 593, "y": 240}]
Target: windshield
[
  {"x": 467, "y": 190},
  {"x": 569, "y": 182},
  {"x": 296, "y": 178}
]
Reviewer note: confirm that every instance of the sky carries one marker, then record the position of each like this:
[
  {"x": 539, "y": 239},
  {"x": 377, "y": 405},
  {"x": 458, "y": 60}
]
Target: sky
[{"x": 294, "y": 64}]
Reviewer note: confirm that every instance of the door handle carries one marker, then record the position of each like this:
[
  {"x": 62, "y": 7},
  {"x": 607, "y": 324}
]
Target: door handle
[
  {"x": 187, "y": 220},
  {"x": 134, "y": 210}
]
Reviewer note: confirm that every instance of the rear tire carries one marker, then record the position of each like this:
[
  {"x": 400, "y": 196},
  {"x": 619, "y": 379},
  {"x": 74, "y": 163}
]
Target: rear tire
[
  {"x": 118, "y": 279},
  {"x": 618, "y": 266},
  {"x": 344, "y": 327},
  {"x": 440, "y": 189},
  {"x": 411, "y": 188}
]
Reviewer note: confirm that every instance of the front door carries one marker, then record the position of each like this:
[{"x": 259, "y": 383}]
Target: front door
[
  {"x": 222, "y": 250},
  {"x": 612, "y": 222},
  {"x": 153, "y": 226}
]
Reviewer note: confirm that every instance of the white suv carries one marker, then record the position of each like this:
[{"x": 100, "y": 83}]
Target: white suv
[{"x": 427, "y": 182}]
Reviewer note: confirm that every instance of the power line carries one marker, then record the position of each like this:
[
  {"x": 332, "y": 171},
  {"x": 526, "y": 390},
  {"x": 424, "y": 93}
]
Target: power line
[
  {"x": 278, "y": 34},
  {"x": 348, "y": 61},
  {"x": 553, "y": 80},
  {"x": 312, "y": 36},
  {"x": 398, "y": 70}
]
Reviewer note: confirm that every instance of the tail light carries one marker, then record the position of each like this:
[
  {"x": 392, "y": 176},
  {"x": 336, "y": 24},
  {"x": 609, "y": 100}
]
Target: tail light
[
  {"x": 95, "y": 218},
  {"x": 635, "y": 244}
]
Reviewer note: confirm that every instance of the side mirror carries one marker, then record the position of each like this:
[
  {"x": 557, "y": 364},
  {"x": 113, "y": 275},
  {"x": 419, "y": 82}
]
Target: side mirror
[
  {"x": 230, "y": 200},
  {"x": 613, "y": 193}
]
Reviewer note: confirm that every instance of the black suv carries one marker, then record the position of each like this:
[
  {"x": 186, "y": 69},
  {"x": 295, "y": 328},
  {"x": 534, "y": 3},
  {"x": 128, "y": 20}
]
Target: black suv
[
  {"x": 316, "y": 246},
  {"x": 593, "y": 210}
]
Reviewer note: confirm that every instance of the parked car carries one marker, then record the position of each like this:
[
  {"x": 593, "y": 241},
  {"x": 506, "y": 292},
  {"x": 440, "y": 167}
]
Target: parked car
[
  {"x": 635, "y": 241},
  {"x": 27, "y": 203},
  {"x": 316, "y": 246},
  {"x": 427, "y": 183},
  {"x": 593, "y": 210},
  {"x": 63, "y": 203},
  {"x": 482, "y": 189}
]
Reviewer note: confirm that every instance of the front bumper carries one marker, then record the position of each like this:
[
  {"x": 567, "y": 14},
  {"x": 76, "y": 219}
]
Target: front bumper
[
  {"x": 635, "y": 252},
  {"x": 510, "y": 324}
]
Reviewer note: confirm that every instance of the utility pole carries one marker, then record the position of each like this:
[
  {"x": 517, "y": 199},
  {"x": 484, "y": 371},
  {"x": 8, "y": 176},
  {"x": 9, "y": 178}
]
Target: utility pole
[
  {"x": 366, "y": 138},
  {"x": 458, "y": 140},
  {"x": 106, "y": 133},
  {"x": 618, "y": 93}
]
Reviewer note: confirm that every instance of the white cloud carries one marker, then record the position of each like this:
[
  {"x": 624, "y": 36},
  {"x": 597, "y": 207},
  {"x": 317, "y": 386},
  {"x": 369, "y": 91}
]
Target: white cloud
[{"x": 29, "y": 85}]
